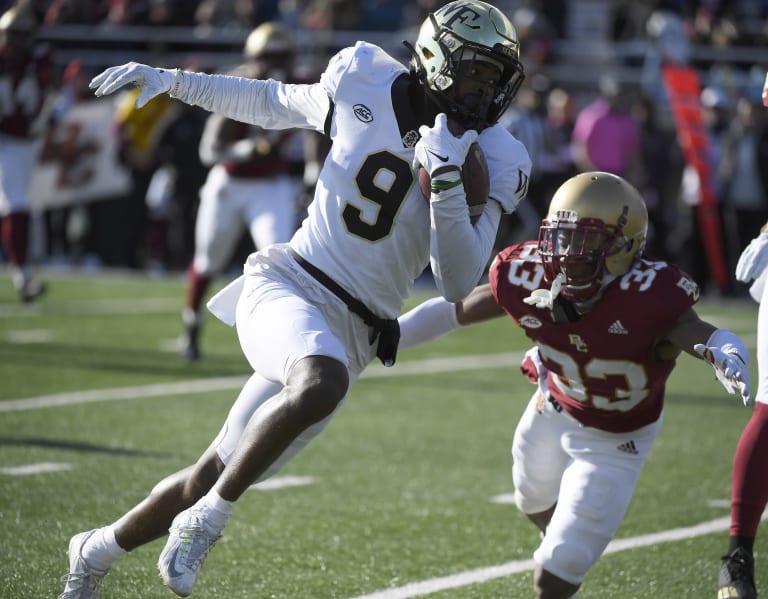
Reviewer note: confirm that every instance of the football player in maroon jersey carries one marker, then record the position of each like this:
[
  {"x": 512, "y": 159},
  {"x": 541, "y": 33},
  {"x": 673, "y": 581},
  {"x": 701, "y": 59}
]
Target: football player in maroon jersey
[
  {"x": 607, "y": 324},
  {"x": 25, "y": 80},
  {"x": 749, "y": 493}
]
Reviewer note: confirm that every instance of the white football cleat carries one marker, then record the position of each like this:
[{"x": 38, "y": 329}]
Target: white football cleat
[
  {"x": 188, "y": 545},
  {"x": 82, "y": 582}
]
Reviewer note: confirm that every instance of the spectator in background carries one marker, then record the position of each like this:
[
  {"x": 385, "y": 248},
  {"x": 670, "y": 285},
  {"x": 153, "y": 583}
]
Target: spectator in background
[
  {"x": 606, "y": 136},
  {"x": 173, "y": 191},
  {"x": 537, "y": 37},
  {"x": 661, "y": 167},
  {"x": 244, "y": 14},
  {"x": 139, "y": 131},
  {"x": 252, "y": 183},
  {"x": 26, "y": 82},
  {"x": 743, "y": 173},
  {"x": 555, "y": 162},
  {"x": 86, "y": 12},
  {"x": 525, "y": 120}
]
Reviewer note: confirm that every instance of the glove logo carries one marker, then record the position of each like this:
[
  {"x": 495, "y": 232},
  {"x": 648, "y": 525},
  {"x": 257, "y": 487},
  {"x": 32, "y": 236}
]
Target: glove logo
[
  {"x": 440, "y": 158},
  {"x": 363, "y": 113}
]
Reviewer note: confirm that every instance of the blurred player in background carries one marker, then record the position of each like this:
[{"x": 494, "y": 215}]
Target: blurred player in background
[
  {"x": 254, "y": 183},
  {"x": 310, "y": 315},
  {"x": 749, "y": 492},
  {"x": 26, "y": 81},
  {"x": 608, "y": 325}
]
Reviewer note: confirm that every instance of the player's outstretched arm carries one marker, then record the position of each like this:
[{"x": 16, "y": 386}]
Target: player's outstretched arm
[
  {"x": 724, "y": 350},
  {"x": 437, "y": 316}
]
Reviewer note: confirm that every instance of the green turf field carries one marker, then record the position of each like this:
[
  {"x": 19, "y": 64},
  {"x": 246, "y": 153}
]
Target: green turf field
[{"x": 399, "y": 490}]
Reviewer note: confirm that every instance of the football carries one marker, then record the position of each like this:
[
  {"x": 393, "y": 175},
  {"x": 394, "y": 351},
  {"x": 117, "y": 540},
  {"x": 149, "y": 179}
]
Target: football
[{"x": 474, "y": 176}]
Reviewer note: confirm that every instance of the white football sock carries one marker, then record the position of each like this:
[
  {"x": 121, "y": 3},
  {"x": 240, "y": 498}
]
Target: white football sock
[
  {"x": 101, "y": 550},
  {"x": 218, "y": 510}
]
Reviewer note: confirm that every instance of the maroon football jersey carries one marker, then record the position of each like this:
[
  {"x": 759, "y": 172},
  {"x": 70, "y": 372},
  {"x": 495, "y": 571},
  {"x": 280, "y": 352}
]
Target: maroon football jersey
[
  {"x": 603, "y": 369},
  {"x": 23, "y": 90}
]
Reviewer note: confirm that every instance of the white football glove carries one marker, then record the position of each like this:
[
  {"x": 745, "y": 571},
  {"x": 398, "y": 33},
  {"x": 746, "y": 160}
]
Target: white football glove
[
  {"x": 150, "y": 80},
  {"x": 731, "y": 364},
  {"x": 545, "y": 298},
  {"x": 438, "y": 147},
  {"x": 753, "y": 259}
]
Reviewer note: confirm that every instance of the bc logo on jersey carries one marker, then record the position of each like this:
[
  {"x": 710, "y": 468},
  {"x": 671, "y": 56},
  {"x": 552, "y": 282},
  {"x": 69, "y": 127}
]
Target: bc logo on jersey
[
  {"x": 363, "y": 113},
  {"x": 578, "y": 342},
  {"x": 689, "y": 286}
]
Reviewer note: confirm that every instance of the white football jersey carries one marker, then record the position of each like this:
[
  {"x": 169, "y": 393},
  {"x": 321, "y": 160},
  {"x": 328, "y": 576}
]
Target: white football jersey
[{"x": 369, "y": 227}]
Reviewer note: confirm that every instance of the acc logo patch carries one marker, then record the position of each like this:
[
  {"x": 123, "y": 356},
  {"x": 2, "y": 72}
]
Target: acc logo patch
[
  {"x": 363, "y": 113},
  {"x": 530, "y": 322}
]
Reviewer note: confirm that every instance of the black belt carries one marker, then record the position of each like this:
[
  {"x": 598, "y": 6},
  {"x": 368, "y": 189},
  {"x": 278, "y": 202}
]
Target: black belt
[{"x": 386, "y": 330}]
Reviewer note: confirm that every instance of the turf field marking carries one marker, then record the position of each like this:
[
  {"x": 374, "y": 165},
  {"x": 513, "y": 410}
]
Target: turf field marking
[
  {"x": 282, "y": 482},
  {"x": 480, "y": 575},
  {"x": 433, "y": 365},
  {"x": 28, "y": 469},
  {"x": 25, "y": 337},
  {"x": 139, "y": 305}
]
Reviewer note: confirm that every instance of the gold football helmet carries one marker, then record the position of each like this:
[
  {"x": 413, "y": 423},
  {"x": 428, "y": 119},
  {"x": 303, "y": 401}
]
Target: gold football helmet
[
  {"x": 596, "y": 224},
  {"x": 271, "y": 49},
  {"x": 468, "y": 31},
  {"x": 18, "y": 19},
  {"x": 269, "y": 39}
]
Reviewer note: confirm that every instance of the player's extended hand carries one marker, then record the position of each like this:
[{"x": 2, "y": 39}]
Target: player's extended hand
[
  {"x": 753, "y": 259},
  {"x": 150, "y": 80},
  {"x": 730, "y": 369},
  {"x": 438, "y": 147}
]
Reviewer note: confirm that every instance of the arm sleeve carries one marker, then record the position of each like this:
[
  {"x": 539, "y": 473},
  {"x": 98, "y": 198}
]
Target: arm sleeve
[
  {"x": 459, "y": 252},
  {"x": 267, "y": 103},
  {"x": 426, "y": 322}
]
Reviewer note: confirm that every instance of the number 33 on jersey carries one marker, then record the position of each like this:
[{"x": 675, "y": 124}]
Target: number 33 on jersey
[{"x": 607, "y": 372}]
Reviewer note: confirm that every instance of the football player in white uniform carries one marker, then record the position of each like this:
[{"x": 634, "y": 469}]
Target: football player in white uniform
[
  {"x": 253, "y": 183},
  {"x": 311, "y": 314}
]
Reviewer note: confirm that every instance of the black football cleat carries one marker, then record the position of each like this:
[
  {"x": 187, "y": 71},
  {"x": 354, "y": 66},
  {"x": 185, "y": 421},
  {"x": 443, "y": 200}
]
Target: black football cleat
[
  {"x": 31, "y": 290},
  {"x": 737, "y": 576},
  {"x": 189, "y": 348}
]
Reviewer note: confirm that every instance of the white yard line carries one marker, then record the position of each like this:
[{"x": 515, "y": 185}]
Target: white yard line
[
  {"x": 481, "y": 575},
  {"x": 433, "y": 365},
  {"x": 40, "y": 467}
]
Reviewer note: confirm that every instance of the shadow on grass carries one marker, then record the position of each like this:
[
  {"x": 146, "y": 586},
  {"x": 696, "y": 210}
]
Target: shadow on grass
[{"x": 82, "y": 447}]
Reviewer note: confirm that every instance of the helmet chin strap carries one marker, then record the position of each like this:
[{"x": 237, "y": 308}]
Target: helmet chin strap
[{"x": 545, "y": 298}]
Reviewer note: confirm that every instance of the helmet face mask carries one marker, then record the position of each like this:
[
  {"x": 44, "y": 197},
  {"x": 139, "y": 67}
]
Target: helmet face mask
[
  {"x": 451, "y": 43},
  {"x": 596, "y": 226}
]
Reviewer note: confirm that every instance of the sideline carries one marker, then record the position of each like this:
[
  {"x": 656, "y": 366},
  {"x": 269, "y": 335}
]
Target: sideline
[{"x": 427, "y": 366}]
